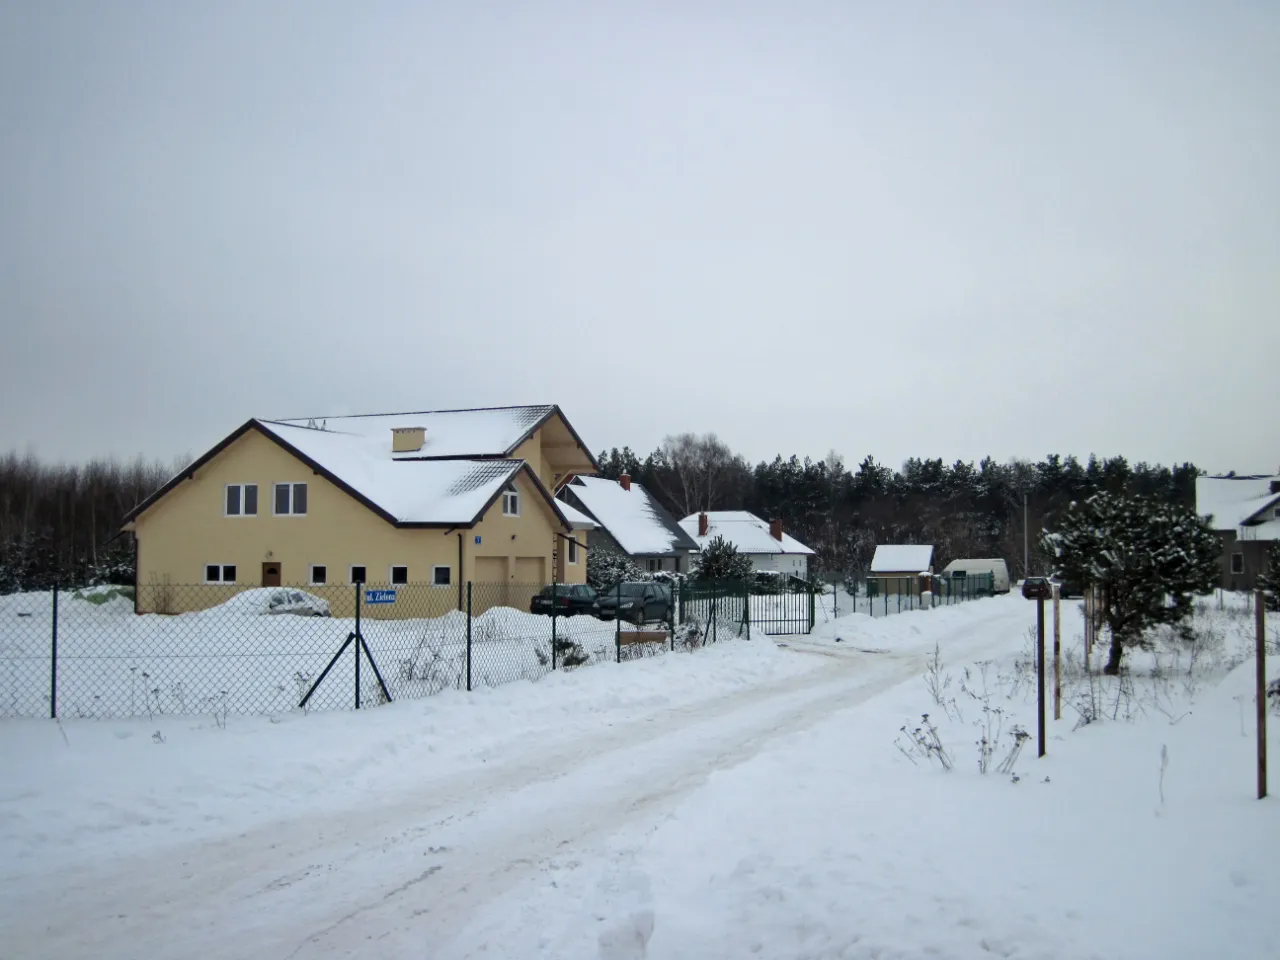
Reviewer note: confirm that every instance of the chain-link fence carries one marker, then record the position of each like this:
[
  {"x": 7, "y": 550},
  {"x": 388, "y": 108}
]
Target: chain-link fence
[
  {"x": 262, "y": 650},
  {"x": 883, "y": 596}
]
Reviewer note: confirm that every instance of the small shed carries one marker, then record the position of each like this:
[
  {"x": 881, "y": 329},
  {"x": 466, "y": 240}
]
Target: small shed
[{"x": 896, "y": 567}]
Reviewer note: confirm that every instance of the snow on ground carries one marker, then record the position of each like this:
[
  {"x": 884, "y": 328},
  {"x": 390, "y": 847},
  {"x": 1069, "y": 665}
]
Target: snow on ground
[{"x": 740, "y": 800}]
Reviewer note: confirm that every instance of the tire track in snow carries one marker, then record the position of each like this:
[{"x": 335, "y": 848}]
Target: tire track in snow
[{"x": 418, "y": 866}]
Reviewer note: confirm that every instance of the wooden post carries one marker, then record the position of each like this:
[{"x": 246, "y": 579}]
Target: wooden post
[
  {"x": 1260, "y": 625},
  {"x": 1057, "y": 654},
  {"x": 1040, "y": 671}
]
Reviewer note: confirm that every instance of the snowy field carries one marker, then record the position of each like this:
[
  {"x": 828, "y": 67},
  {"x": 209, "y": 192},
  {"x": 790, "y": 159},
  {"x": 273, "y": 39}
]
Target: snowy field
[{"x": 744, "y": 800}]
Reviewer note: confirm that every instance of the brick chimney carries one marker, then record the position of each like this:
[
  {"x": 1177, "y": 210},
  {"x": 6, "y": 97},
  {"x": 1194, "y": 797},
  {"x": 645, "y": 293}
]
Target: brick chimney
[
  {"x": 775, "y": 530},
  {"x": 407, "y": 439},
  {"x": 703, "y": 524},
  {"x": 624, "y": 481}
]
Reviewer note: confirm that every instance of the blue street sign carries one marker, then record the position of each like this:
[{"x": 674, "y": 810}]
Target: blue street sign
[{"x": 379, "y": 596}]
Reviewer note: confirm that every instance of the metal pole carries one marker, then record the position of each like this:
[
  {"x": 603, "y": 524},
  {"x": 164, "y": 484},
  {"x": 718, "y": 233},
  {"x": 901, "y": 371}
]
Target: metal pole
[
  {"x": 53, "y": 660},
  {"x": 468, "y": 636},
  {"x": 555, "y": 587},
  {"x": 359, "y": 639},
  {"x": 1040, "y": 671},
  {"x": 1260, "y": 625},
  {"x": 617, "y": 621},
  {"x": 1026, "y": 539},
  {"x": 1057, "y": 654}
]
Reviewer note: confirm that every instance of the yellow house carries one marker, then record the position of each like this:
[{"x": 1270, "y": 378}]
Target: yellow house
[{"x": 436, "y": 498}]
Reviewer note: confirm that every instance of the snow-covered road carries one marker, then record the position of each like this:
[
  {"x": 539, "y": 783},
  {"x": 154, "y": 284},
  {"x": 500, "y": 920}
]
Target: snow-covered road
[{"x": 406, "y": 870}]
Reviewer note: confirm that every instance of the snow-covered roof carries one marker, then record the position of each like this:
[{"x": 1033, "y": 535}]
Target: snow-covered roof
[
  {"x": 744, "y": 530},
  {"x": 633, "y": 517},
  {"x": 421, "y": 491},
  {"x": 491, "y": 432},
  {"x": 577, "y": 519},
  {"x": 1232, "y": 501},
  {"x": 902, "y": 558}
]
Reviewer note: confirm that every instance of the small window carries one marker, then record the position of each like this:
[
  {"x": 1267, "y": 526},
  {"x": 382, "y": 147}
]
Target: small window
[
  {"x": 1237, "y": 563},
  {"x": 399, "y": 574},
  {"x": 654, "y": 564},
  {"x": 573, "y": 551},
  {"x": 220, "y": 573},
  {"x": 510, "y": 504},
  {"x": 442, "y": 576},
  {"x": 357, "y": 575},
  {"x": 291, "y": 499},
  {"x": 319, "y": 575},
  {"x": 241, "y": 500}
]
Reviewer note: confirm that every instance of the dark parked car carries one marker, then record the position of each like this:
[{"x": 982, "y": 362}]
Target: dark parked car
[
  {"x": 640, "y": 602},
  {"x": 1068, "y": 590},
  {"x": 1037, "y": 588},
  {"x": 569, "y": 598}
]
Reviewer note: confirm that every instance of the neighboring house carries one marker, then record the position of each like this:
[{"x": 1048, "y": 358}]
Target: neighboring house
[
  {"x": 630, "y": 521},
  {"x": 1245, "y": 513},
  {"x": 770, "y": 549},
  {"x": 438, "y": 498},
  {"x": 896, "y": 567}
]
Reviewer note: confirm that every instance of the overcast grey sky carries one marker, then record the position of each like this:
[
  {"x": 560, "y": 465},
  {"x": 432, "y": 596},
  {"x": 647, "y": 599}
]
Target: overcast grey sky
[{"x": 886, "y": 228}]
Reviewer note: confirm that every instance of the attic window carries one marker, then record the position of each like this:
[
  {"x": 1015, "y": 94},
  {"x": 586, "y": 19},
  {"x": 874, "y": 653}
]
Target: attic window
[{"x": 510, "y": 502}]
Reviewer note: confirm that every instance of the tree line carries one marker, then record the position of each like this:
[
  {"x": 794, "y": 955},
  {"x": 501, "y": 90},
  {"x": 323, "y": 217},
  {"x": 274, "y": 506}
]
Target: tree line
[
  {"x": 62, "y": 522},
  {"x": 964, "y": 509}
]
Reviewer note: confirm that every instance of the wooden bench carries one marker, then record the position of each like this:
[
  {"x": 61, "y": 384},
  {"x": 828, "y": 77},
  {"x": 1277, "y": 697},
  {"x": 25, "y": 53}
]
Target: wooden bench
[{"x": 627, "y": 637}]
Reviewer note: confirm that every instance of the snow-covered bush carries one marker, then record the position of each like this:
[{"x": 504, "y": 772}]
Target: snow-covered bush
[
  {"x": 606, "y": 568},
  {"x": 1269, "y": 579}
]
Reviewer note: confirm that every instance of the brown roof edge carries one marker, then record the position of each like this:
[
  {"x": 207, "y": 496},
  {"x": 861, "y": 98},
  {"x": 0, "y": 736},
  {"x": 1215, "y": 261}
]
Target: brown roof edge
[
  {"x": 189, "y": 471},
  {"x": 556, "y": 411},
  {"x": 235, "y": 435}
]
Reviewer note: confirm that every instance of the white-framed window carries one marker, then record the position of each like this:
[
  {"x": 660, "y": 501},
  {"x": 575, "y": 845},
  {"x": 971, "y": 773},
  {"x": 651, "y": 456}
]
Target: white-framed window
[
  {"x": 220, "y": 573},
  {"x": 319, "y": 574},
  {"x": 441, "y": 576},
  {"x": 399, "y": 575},
  {"x": 358, "y": 574},
  {"x": 654, "y": 564},
  {"x": 510, "y": 502},
  {"x": 290, "y": 500},
  {"x": 573, "y": 551},
  {"x": 1237, "y": 563},
  {"x": 240, "y": 500}
]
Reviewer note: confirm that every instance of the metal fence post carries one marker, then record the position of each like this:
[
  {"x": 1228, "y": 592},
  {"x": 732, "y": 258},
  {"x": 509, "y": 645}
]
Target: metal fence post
[
  {"x": 746, "y": 589},
  {"x": 53, "y": 659},
  {"x": 1040, "y": 674},
  {"x": 554, "y": 597},
  {"x": 468, "y": 636},
  {"x": 1260, "y": 625},
  {"x": 356, "y": 645},
  {"x": 811, "y": 611},
  {"x": 617, "y": 623}
]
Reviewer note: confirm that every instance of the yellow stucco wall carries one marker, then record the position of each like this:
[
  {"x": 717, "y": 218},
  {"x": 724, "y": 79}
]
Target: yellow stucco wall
[{"x": 187, "y": 529}]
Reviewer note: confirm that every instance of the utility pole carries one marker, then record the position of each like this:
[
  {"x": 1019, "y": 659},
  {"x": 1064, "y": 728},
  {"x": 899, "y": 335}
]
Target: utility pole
[{"x": 1026, "y": 539}]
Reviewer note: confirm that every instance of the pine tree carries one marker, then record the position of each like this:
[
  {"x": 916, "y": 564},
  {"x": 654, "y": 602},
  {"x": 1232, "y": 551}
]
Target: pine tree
[
  {"x": 720, "y": 560},
  {"x": 1269, "y": 579},
  {"x": 1151, "y": 558}
]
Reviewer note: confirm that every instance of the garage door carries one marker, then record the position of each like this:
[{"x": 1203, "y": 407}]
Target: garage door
[
  {"x": 530, "y": 570},
  {"x": 490, "y": 587},
  {"x": 530, "y": 574}
]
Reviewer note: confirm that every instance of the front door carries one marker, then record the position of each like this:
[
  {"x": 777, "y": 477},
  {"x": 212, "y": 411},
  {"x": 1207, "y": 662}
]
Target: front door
[{"x": 271, "y": 574}]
